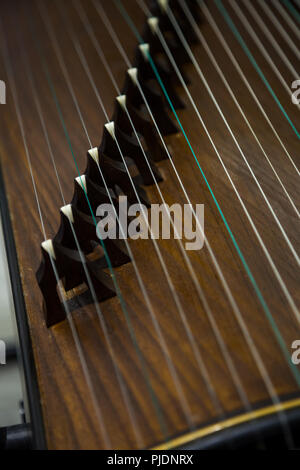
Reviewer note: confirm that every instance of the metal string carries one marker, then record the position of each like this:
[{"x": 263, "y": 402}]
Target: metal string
[
  {"x": 260, "y": 45},
  {"x": 250, "y": 275},
  {"x": 149, "y": 304},
  {"x": 179, "y": 32},
  {"x": 200, "y": 292},
  {"x": 86, "y": 68},
  {"x": 75, "y": 336},
  {"x": 228, "y": 87},
  {"x": 83, "y": 261},
  {"x": 200, "y": 73},
  {"x": 153, "y": 397},
  {"x": 240, "y": 39},
  {"x": 272, "y": 39},
  {"x": 279, "y": 27},
  {"x": 225, "y": 285},
  {"x": 188, "y": 330},
  {"x": 278, "y": 336},
  {"x": 293, "y": 12},
  {"x": 218, "y": 33},
  {"x": 236, "y": 379}
]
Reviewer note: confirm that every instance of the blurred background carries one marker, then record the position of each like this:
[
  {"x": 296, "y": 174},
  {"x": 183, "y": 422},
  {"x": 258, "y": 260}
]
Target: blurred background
[{"x": 11, "y": 393}]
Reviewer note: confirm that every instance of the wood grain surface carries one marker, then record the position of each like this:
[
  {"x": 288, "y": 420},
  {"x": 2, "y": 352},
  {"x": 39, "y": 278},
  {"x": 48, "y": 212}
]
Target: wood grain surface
[{"x": 68, "y": 412}]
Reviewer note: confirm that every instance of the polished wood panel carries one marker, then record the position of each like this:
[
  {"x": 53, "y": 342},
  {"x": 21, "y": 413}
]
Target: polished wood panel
[{"x": 67, "y": 409}]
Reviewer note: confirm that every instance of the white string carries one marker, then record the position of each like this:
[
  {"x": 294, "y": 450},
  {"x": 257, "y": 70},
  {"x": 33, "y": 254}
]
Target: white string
[
  {"x": 200, "y": 292},
  {"x": 257, "y": 234},
  {"x": 287, "y": 18},
  {"x": 167, "y": 50},
  {"x": 264, "y": 5},
  {"x": 240, "y": 72},
  {"x": 75, "y": 336},
  {"x": 260, "y": 46},
  {"x": 204, "y": 43},
  {"x": 221, "y": 74},
  {"x": 55, "y": 45},
  {"x": 177, "y": 301},
  {"x": 83, "y": 362},
  {"x": 271, "y": 38},
  {"x": 112, "y": 33},
  {"x": 89, "y": 74},
  {"x": 237, "y": 313},
  {"x": 83, "y": 261},
  {"x": 165, "y": 349},
  {"x": 42, "y": 120},
  {"x": 78, "y": 108},
  {"x": 126, "y": 315},
  {"x": 20, "y": 121},
  {"x": 213, "y": 324}
]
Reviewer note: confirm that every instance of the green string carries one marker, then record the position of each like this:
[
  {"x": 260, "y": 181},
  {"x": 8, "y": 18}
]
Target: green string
[
  {"x": 268, "y": 314},
  {"x": 152, "y": 394}
]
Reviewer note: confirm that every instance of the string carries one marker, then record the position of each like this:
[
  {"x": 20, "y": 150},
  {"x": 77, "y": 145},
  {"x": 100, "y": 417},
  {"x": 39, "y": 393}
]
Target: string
[
  {"x": 66, "y": 75},
  {"x": 260, "y": 45},
  {"x": 181, "y": 312},
  {"x": 200, "y": 73},
  {"x": 221, "y": 74},
  {"x": 297, "y": 3},
  {"x": 228, "y": 360},
  {"x": 10, "y": 74},
  {"x": 213, "y": 324},
  {"x": 86, "y": 68},
  {"x": 179, "y": 32},
  {"x": 238, "y": 36},
  {"x": 149, "y": 304},
  {"x": 153, "y": 397},
  {"x": 245, "y": 264},
  {"x": 85, "y": 21},
  {"x": 204, "y": 43},
  {"x": 279, "y": 27},
  {"x": 83, "y": 260},
  {"x": 200, "y": 292},
  {"x": 271, "y": 38},
  {"x": 82, "y": 359},
  {"x": 129, "y": 20},
  {"x": 141, "y": 359},
  {"x": 293, "y": 10},
  {"x": 236, "y": 310},
  {"x": 287, "y": 17},
  {"x": 218, "y": 33},
  {"x": 75, "y": 336}
]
